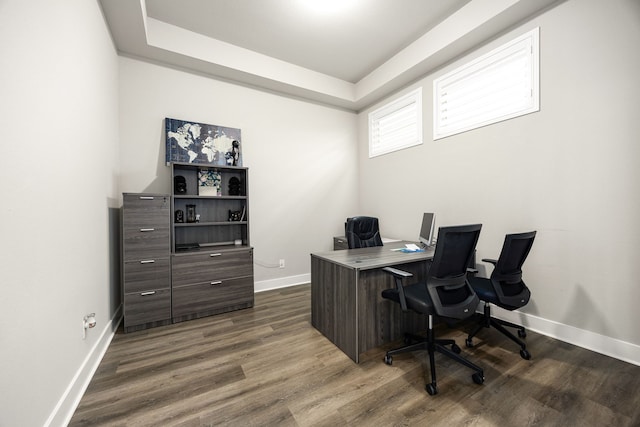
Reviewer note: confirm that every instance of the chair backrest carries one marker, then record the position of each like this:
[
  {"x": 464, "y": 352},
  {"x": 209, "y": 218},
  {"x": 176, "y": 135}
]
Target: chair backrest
[
  {"x": 507, "y": 273},
  {"x": 363, "y": 232},
  {"x": 447, "y": 284}
]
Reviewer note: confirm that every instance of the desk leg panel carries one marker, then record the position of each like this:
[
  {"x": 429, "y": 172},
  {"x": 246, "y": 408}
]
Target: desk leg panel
[
  {"x": 333, "y": 304},
  {"x": 382, "y": 321}
]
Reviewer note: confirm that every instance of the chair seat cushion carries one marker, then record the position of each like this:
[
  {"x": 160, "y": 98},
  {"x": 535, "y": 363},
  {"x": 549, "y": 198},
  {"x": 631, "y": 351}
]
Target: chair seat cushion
[
  {"x": 485, "y": 291},
  {"x": 416, "y": 295}
]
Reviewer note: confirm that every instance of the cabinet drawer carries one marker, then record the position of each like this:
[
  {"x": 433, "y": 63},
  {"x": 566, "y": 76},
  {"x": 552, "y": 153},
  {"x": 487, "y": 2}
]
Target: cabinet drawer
[
  {"x": 147, "y": 307},
  {"x": 146, "y": 209},
  {"x": 206, "y": 298},
  {"x": 146, "y": 243},
  {"x": 142, "y": 275},
  {"x": 210, "y": 266}
]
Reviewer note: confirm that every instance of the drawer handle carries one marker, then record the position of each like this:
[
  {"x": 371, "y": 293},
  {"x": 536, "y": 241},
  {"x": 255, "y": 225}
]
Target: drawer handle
[
  {"x": 216, "y": 282},
  {"x": 147, "y": 229},
  {"x": 147, "y": 261},
  {"x": 146, "y": 197},
  {"x": 214, "y": 255},
  {"x": 144, "y": 294}
]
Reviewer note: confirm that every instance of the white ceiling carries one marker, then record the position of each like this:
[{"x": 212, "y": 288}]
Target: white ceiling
[
  {"x": 348, "y": 43},
  {"x": 349, "y": 57}
]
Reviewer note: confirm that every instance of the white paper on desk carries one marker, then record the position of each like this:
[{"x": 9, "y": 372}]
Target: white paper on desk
[{"x": 412, "y": 247}]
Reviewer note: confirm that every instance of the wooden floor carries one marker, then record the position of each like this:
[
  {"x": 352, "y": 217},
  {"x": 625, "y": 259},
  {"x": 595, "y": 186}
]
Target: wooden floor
[{"x": 267, "y": 366}]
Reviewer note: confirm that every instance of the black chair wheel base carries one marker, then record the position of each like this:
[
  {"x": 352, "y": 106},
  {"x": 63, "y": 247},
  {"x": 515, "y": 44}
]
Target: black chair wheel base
[
  {"x": 522, "y": 333},
  {"x": 525, "y": 354},
  {"x": 456, "y": 348},
  {"x": 388, "y": 359},
  {"x": 478, "y": 378},
  {"x": 432, "y": 389},
  {"x": 468, "y": 342}
]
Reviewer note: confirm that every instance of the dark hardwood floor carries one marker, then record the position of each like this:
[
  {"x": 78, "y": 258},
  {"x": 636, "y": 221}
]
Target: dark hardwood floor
[{"x": 268, "y": 366}]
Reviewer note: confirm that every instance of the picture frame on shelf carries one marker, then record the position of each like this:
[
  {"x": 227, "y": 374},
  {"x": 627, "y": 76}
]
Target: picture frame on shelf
[{"x": 209, "y": 182}]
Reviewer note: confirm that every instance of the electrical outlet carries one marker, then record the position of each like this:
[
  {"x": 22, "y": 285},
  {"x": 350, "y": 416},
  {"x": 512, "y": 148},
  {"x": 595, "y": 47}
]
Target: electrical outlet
[{"x": 281, "y": 263}]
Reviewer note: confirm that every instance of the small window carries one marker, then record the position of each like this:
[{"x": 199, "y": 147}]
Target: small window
[
  {"x": 499, "y": 85},
  {"x": 396, "y": 125}
]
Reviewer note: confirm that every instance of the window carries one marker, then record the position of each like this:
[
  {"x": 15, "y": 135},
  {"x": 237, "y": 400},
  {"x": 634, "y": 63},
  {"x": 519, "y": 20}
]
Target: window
[
  {"x": 499, "y": 85},
  {"x": 396, "y": 125}
]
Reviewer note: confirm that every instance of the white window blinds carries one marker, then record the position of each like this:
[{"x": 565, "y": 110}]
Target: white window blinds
[
  {"x": 497, "y": 86},
  {"x": 396, "y": 125}
]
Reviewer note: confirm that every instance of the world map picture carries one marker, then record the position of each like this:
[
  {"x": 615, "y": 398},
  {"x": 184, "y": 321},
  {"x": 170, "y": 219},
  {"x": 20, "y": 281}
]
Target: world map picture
[{"x": 191, "y": 142}]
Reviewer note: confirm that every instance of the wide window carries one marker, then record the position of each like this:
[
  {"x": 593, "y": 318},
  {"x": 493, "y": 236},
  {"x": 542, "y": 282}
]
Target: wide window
[
  {"x": 396, "y": 125},
  {"x": 499, "y": 85}
]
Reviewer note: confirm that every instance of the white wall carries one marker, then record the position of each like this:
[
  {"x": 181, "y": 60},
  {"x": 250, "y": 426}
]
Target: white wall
[
  {"x": 302, "y": 179},
  {"x": 59, "y": 174},
  {"x": 569, "y": 171}
]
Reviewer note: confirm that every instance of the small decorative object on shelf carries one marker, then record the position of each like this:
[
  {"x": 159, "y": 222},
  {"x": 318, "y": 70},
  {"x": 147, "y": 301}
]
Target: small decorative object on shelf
[
  {"x": 191, "y": 213},
  {"x": 179, "y": 216},
  {"x": 179, "y": 184},
  {"x": 209, "y": 182},
  {"x": 235, "y": 215},
  {"x": 235, "y": 187}
]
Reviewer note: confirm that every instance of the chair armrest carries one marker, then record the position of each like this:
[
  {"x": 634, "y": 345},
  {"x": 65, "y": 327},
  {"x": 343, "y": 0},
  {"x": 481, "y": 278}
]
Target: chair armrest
[
  {"x": 399, "y": 276},
  {"x": 397, "y": 273}
]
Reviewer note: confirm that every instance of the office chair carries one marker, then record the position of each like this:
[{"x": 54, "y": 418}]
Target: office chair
[
  {"x": 505, "y": 288},
  {"x": 445, "y": 293},
  {"x": 362, "y": 232}
]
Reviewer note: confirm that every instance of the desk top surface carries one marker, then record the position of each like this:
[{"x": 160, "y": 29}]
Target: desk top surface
[{"x": 376, "y": 257}]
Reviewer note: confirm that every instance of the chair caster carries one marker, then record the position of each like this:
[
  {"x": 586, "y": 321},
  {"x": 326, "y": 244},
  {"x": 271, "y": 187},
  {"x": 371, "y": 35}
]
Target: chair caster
[
  {"x": 478, "y": 378},
  {"x": 388, "y": 359},
  {"x": 432, "y": 389},
  {"x": 468, "y": 342},
  {"x": 525, "y": 354},
  {"x": 522, "y": 333},
  {"x": 456, "y": 348}
]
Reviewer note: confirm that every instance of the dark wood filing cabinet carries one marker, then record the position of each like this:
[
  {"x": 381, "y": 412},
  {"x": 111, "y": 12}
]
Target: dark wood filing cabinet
[
  {"x": 193, "y": 264},
  {"x": 211, "y": 282},
  {"x": 146, "y": 250},
  {"x": 212, "y": 260}
]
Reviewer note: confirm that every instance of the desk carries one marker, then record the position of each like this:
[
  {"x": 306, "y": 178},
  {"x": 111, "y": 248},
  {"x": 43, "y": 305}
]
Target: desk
[
  {"x": 346, "y": 305},
  {"x": 340, "y": 242}
]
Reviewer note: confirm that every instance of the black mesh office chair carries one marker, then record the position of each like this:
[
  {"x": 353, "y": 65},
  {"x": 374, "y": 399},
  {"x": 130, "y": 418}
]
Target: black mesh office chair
[
  {"x": 362, "y": 232},
  {"x": 445, "y": 293},
  {"x": 505, "y": 288}
]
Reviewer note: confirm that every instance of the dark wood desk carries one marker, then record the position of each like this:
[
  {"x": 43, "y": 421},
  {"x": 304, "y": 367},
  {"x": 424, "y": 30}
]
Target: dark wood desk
[{"x": 346, "y": 305}]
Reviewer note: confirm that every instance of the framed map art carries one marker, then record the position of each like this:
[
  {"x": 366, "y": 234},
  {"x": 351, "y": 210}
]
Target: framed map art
[{"x": 192, "y": 142}]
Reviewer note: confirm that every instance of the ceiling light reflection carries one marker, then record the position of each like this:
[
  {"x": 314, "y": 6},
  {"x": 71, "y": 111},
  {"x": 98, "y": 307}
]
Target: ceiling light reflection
[{"x": 328, "y": 6}]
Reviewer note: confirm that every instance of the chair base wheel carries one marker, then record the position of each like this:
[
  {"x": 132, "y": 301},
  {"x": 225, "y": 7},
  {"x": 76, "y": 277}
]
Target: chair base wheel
[
  {"x": 432, "y": 389},
  {"x": 525, "y": 354},
  {"x": 478, "y": 378},
  {"x": 522, "y": 333},
  {"x": 468, "y": 342},
  {"x": 388, "y": 359}
]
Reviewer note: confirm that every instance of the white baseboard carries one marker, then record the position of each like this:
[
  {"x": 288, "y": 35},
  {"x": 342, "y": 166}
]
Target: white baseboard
[
  {"x": 283, "y": 282},
  {"x": 70, "y": 400},
  {"x": 602, "y": 344}
]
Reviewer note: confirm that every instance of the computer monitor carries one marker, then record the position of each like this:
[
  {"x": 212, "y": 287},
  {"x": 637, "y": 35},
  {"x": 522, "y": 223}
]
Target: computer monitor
[{"x": 426, "y": 231}]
